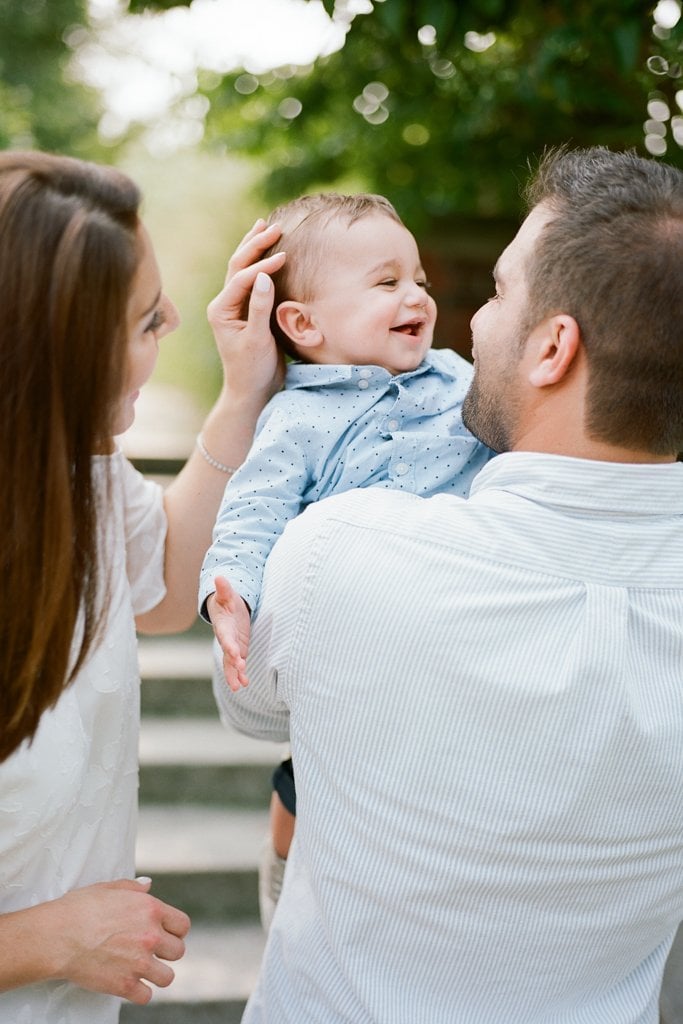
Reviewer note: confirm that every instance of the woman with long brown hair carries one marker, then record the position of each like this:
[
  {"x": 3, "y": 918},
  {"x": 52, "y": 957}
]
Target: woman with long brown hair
[{"x": 90, "y": 550}]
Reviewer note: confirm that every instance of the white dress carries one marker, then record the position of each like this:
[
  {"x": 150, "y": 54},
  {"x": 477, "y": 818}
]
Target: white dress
[{"x": 68, "y": 801}]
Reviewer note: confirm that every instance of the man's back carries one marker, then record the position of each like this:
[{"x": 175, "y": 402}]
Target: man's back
[{"x": 495, "y": 834}]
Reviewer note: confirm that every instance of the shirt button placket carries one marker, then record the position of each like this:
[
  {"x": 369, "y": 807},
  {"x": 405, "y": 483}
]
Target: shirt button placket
[{"x": 364, "y": 376}]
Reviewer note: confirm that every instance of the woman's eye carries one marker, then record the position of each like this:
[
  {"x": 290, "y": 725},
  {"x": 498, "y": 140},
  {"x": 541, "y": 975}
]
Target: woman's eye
[{"x": 157, "y": 321}]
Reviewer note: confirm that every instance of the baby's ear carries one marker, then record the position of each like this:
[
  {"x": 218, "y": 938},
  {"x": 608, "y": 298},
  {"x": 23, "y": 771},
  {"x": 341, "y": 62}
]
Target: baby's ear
[{"x": 296, "y": 320}]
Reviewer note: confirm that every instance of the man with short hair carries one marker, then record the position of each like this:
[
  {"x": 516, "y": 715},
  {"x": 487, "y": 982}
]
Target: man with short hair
[{"x": 484, "y": 696}]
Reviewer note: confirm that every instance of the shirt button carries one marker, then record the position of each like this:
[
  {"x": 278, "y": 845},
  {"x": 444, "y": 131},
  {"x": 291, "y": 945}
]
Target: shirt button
[
  {"x": 365, "y": 373},
  {"x": 402, "y": 468},
  {"x": 393, "y": 424},
  {"x": 363, "y": 384}
]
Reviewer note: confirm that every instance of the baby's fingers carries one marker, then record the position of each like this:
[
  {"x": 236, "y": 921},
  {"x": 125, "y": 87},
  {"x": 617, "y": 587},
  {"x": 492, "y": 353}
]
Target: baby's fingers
[{"x": 233, "y": 670}]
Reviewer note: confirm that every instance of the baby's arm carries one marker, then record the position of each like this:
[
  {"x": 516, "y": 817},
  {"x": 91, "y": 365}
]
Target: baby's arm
[
  {"x": 230, "y": 618},
  {"x": 264, "y": 494}
]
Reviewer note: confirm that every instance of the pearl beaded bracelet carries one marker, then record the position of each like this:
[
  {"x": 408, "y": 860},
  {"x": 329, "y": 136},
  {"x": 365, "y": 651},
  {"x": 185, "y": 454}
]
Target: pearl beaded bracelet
[{"x": 229, "y": 470}]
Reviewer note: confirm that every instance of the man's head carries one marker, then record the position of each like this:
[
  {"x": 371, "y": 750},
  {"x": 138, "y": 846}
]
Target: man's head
[
  {"x": 594, "y": 279},
  {"x": 352, "y": 289}
]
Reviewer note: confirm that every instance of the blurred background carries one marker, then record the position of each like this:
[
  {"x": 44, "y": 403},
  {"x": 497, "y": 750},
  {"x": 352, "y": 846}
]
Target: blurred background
[{"x": 223, "y": 108}]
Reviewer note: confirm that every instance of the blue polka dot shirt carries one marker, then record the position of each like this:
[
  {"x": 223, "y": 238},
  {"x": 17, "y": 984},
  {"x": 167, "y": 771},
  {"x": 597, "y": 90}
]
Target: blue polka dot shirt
[{"x": 333, "y": 428}]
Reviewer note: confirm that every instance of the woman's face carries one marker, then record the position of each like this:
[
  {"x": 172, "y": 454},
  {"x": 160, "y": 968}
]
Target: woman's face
[{"x": 151, "y": 315}]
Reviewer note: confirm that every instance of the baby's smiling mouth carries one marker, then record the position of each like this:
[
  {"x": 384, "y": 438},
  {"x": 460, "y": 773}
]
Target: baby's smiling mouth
[{"x": 412, "y": 329}]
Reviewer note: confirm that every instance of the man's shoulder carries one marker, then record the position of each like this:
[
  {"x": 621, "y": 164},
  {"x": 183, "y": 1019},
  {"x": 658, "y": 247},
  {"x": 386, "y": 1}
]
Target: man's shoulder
[{"x": 383, "y": 510}]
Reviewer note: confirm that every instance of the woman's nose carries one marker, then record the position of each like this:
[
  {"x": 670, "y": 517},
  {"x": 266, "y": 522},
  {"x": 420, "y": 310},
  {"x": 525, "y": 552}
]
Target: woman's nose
[{"x": 171, "y": 316}]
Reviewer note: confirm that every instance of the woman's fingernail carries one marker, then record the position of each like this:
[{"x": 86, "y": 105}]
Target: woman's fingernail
[
  {"x": 262, "y": 282},
  {"x": 144, "y": 880}
]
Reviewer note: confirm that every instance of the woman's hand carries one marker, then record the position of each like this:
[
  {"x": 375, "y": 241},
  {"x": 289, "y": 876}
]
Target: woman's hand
[
  {"x": 240, "y": 316},
  {"x": 119, "y": 937},
  {"x": 111, "y": 937}
]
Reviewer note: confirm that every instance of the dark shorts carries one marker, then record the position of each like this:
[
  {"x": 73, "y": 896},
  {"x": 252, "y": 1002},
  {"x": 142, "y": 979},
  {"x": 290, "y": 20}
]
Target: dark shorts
[{"x": 283, "y": 784}]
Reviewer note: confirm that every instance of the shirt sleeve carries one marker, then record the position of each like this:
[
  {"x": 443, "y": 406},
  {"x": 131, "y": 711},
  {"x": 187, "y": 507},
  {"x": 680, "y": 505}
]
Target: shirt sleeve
[
  {"x": 260, "y": 499},
  {"x": 145, "y": 536},
  {"x": 278, "y": 629}
]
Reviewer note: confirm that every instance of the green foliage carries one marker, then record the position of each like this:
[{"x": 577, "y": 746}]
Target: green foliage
[
  {"x": 140, "y": 6},
  {"x": 448, "y": 128},
  {"x": 39, "y": 107}
]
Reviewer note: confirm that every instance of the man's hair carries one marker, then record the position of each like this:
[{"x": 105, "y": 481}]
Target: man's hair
[
  {"x": 304, "y": 239},
  {"x": 612, "y": 258}
]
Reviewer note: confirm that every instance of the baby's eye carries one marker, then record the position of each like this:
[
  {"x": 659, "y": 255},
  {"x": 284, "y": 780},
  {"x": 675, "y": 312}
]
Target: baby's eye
[
  {"x": 388, "y": 282},
  {"x": 157, "y": 320},
  {"x": 427, "y": 285}
]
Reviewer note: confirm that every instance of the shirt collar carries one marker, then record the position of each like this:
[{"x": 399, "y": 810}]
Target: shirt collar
[
  {"x": 306, "y": 375},
  {"x": 614, "y": 487}
]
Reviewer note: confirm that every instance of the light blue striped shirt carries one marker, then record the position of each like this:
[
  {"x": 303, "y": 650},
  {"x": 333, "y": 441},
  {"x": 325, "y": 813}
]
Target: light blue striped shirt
[
  {"x": 485, "y": 701},
  {"x": 334, "y": 428}
]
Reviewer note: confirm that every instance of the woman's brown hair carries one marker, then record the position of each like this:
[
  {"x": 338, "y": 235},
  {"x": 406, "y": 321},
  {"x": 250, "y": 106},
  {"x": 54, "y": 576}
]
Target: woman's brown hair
[{"x": 68, "y": 256}]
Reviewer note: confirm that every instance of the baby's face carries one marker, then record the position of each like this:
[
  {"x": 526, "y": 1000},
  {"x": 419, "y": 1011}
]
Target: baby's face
[{"x": 370, "y": 297}]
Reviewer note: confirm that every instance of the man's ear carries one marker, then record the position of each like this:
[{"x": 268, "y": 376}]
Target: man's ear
[
  {"x": 296, "y": 321},
  {"x": 558, "y": 342}
]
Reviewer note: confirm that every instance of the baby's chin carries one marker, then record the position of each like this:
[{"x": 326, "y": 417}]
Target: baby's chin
[{"x": 408, "y": 364}]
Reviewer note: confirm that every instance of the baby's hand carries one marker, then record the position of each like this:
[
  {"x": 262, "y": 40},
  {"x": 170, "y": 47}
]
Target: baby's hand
[{"x": 230, "y": 620}]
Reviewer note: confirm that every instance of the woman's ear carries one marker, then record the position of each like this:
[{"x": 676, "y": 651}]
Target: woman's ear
[
  {"x": 297, "y": 322},
  {"x": 557, "y": 346}
]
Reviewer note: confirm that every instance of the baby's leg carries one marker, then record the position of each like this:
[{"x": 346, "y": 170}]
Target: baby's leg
[
  {"x": 277, "y": 844},
  {"x": 281, "y": 826}
]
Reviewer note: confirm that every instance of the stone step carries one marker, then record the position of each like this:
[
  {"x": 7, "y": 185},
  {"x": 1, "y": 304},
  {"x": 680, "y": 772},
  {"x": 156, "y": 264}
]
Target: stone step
[
  {"x": 196, "y": 838},
  {"x": 203, "y": 859},
  {"x": 173, "y": 697},
  {"x": 203, "y": 741},
  {"x": 183, "y": 656},
  {"x": 198, "y": 760},
  {"x": 176, "y": 673},
  {"x": 183, "y": 1013}
]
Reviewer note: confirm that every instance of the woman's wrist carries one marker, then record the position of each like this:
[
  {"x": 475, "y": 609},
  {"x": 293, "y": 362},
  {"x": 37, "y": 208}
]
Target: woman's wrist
[
  {"x": 208, "y": 457},
  {"x": 228, "y": 429},
  {"x": 32, "y": 945}
]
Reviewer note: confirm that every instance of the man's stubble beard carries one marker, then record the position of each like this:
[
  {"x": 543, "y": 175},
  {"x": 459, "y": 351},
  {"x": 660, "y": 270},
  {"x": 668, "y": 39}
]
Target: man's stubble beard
[{"x": 483, "y": 416}]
